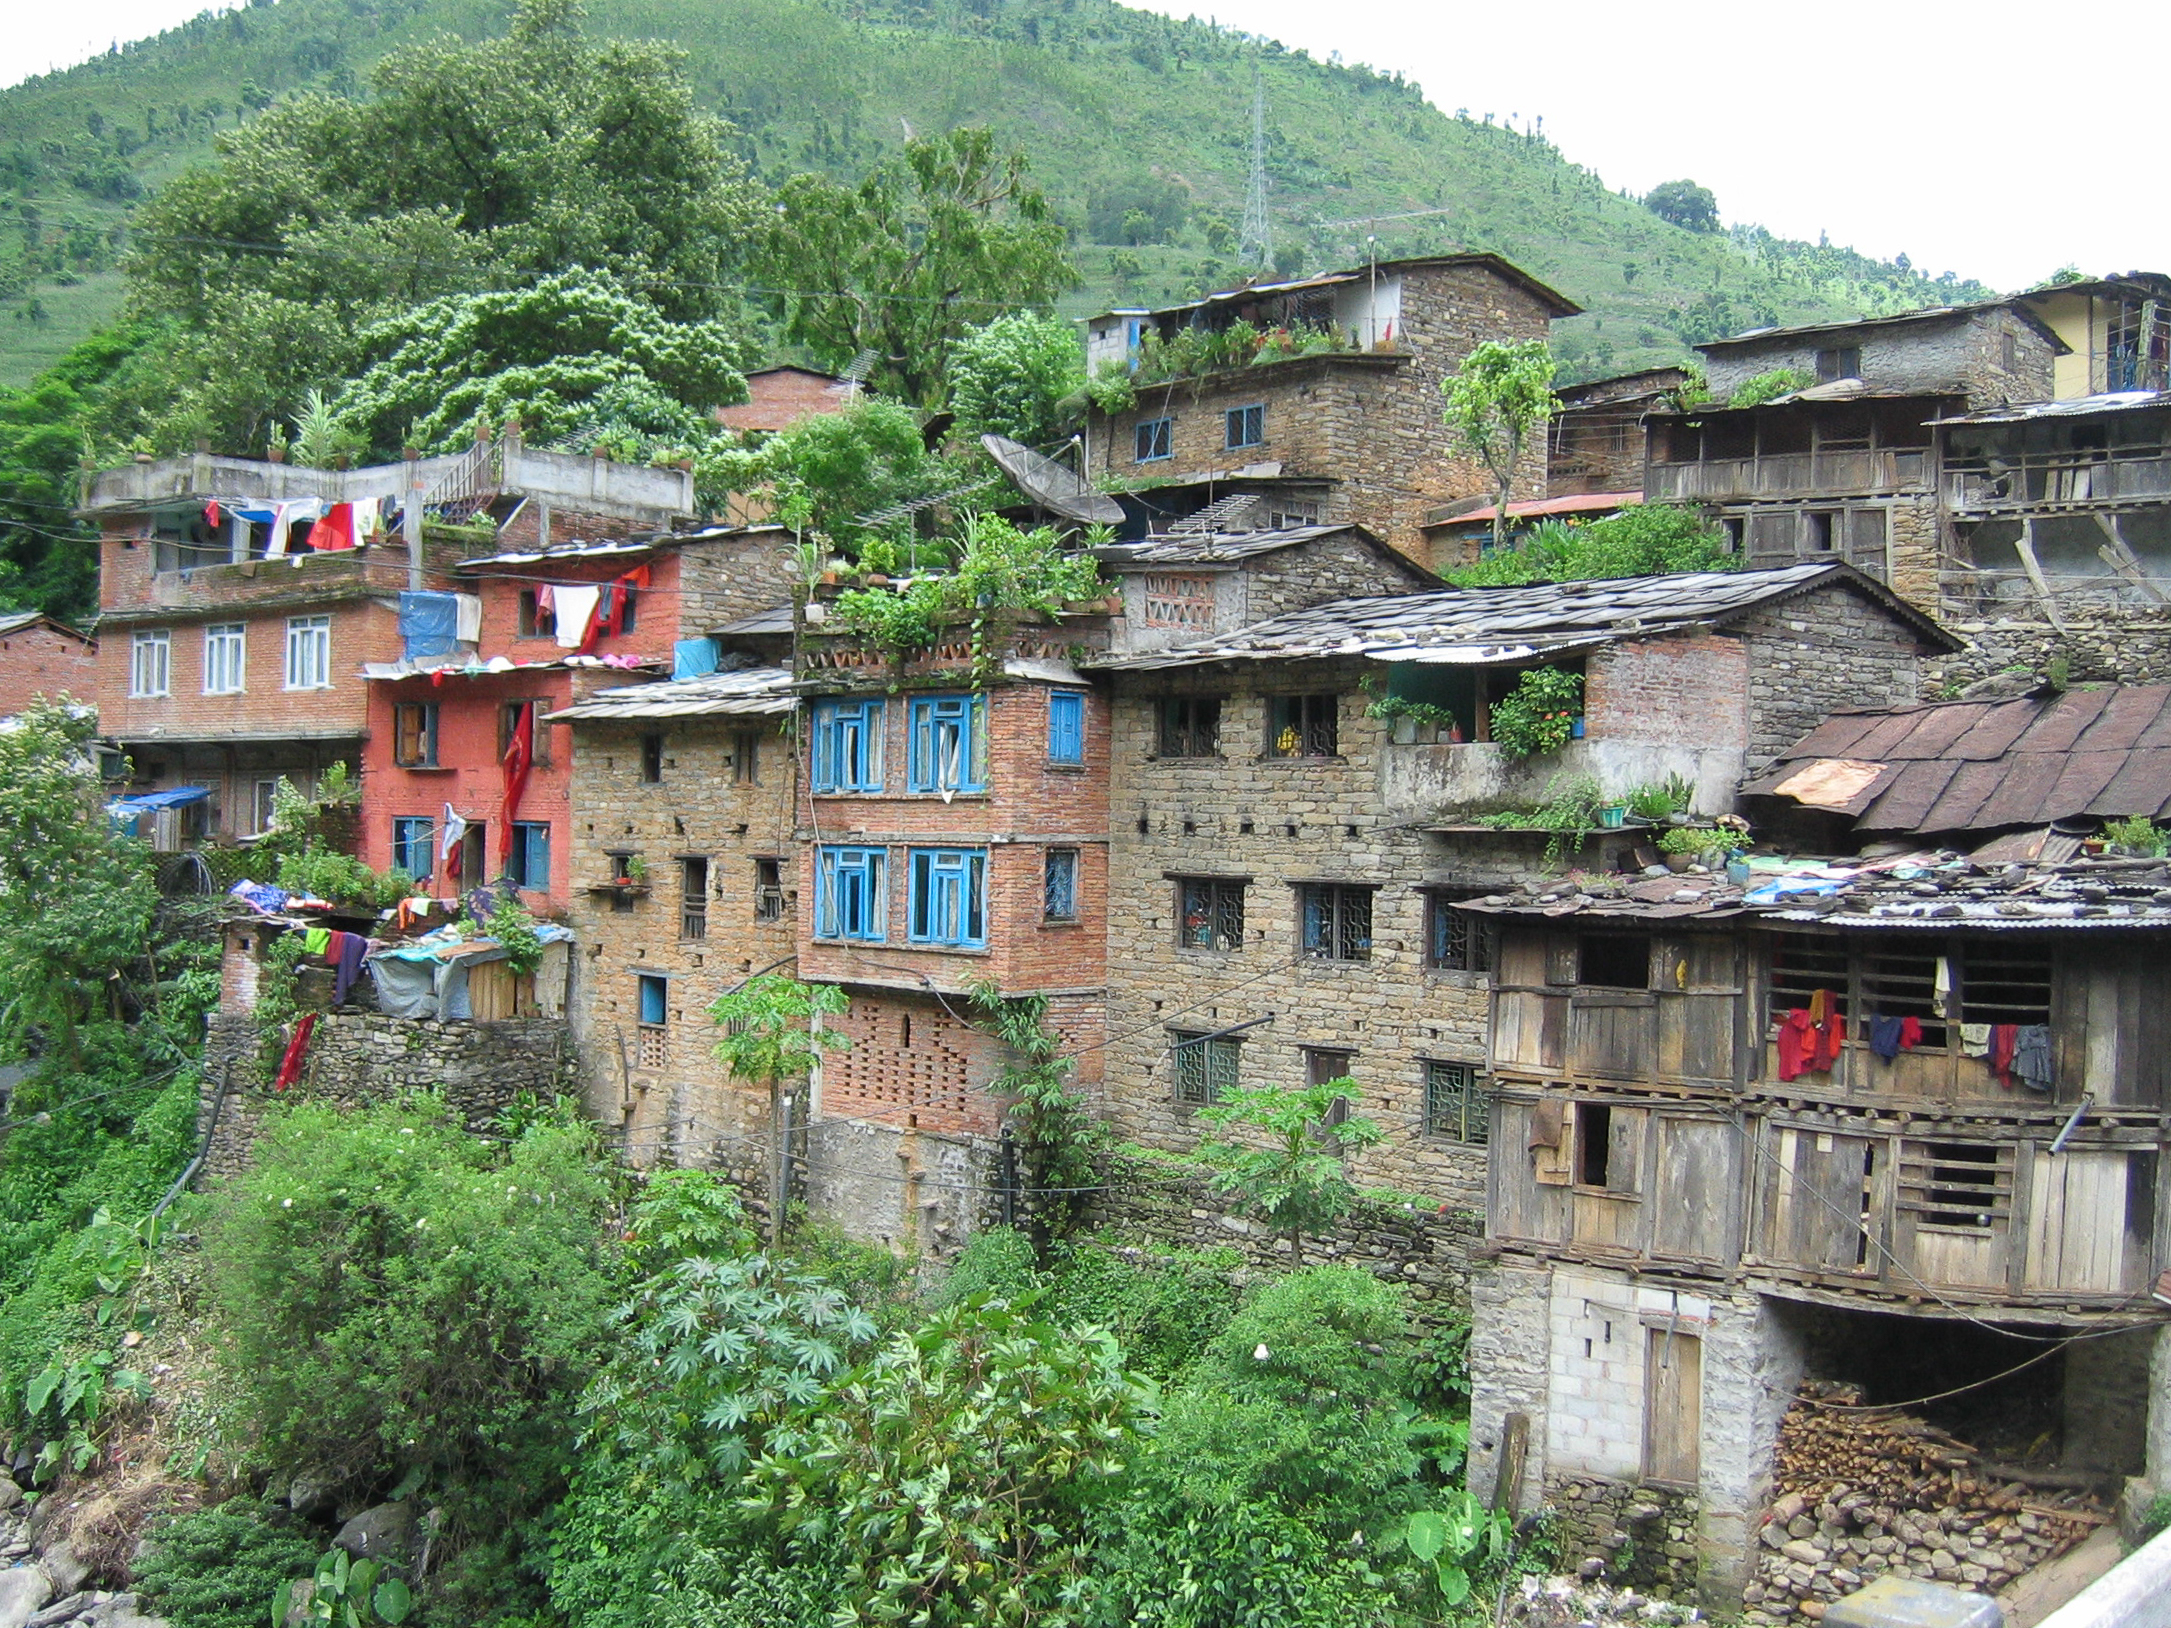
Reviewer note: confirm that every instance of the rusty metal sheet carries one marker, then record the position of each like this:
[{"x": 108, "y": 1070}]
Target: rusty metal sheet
[
  {"x": 1999, "y": 727},
  {"x": 1937, "y": 728},
  {"x": 2141, "y": 786},
  {"x": 1963, "y": 798},
  {"x": 2019, "y": 800},
  {"x": 2085, "y": 775},
  {"x": 2119, "y": 726},
  {"x": 2061, "y": 721},
  {"x": 1910, "y": 796}
]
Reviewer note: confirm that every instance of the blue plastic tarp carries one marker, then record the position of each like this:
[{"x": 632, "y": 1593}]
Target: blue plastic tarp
[
  {"x": 130, "y": 808},
  {"x": 693, "y": 658},
  {"x": 429, "y": 623}
]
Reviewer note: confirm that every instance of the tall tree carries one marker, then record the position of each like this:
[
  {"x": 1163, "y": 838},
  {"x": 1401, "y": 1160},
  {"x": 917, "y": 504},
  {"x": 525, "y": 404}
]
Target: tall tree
[
  {"x": 951, "y": 235},
  {"x": 1500, "y": 396}
]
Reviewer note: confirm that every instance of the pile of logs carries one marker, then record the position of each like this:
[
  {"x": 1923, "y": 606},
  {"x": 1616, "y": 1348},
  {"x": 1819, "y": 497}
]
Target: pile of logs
[{"x": 1864, "y": 1493}]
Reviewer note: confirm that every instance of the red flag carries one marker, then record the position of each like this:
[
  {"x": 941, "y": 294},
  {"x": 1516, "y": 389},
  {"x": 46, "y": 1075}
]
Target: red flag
[{"x": 519, "y": 758}]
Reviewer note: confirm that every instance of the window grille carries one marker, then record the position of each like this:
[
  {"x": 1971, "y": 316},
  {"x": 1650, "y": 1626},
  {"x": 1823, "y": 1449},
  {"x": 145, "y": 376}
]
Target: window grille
[
  {"x": 1455, "y": 1104},
  {"x": 693, "y": 914},
  {"x": 1060, "y": 891},
  {"x": 1455, "y": 940},
  {"x": 1335, "y": 921},
  {"x": 1246, "y": 425},
  {"x": 1957, "y": 1186},
  {"x": 1153, "y": 439},
  {"x": 1205, "y": 1069},
  {"x": 1190, "y": 726},
  {"x": 1303, "y": 725},
  {"x": 1209, "y": 914},
  {"x": 768, "y": 890}
]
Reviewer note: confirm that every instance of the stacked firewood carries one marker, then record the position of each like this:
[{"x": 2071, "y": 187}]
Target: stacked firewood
[{"x": 1865, "y": 1493}]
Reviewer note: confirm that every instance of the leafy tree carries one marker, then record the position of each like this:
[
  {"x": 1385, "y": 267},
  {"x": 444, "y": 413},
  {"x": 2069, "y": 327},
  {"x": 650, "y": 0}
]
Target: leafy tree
[
  {"x": 770, "y": 1036},
  {"x": 1685, "y": 204},
  {"x": 902, "y": 265},
  {"x": 470, "y": 167},
  {"x": 401, "y": 1302},
  {"x": 1297, "y": 1179},
  {"x": 959, "y": 1468},
  {"x": 76, "y": 898},
  {"x": 835, "y": 467},
  {"x": 1020, "y": 376},
  {"x": 1498, "y": 399},
  {"x": 1057, "y": 1136},
  {"x": 571, "y": 356}
]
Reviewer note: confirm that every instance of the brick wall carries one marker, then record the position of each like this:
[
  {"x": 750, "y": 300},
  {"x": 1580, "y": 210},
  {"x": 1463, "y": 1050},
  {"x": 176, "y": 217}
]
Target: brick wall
[
  {"x": 673, "y": 1100},
  {"x": 1371, "y": 422},
  {"x": 42, "y": 660},
  {"x": 1666, "y": 691}
]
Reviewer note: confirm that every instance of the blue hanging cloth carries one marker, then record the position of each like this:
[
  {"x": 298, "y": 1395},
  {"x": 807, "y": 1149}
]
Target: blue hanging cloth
[{"x": 693, "y": 658}]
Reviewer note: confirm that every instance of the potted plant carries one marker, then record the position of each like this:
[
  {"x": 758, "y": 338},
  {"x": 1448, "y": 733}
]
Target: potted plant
[
  {"x": 2137, "y": 838},
  {"x": 1540, "y": 714},
  {"x": 1683, "y": 844},
  {"x": 276, "y": 445}
]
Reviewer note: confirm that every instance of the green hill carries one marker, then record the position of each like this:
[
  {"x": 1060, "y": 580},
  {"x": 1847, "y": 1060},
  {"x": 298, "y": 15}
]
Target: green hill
[{"x": 1138, "y": 126}]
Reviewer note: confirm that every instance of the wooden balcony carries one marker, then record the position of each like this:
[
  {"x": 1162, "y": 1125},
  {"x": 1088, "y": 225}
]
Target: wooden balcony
[
  {"x": 1783, "y": 475},
  {"x": 2077, "y": 481}
]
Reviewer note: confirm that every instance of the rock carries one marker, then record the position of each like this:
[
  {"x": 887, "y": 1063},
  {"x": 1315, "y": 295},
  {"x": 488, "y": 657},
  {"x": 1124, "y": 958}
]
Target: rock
[
  {"x": 383, "y": 1532},
  {"x": 61, "y": 1611},
  {"x": 10, "y": 1494},
  {"x": 1801, "y": 1526},
  {"x": 68, "y": 1574},
  {"x": 24, "y": 1591},
  {"x": 1803, "y": 1550},
  {"x": 312, "y": 1493},
  {"x": 122, "y": 1611}
]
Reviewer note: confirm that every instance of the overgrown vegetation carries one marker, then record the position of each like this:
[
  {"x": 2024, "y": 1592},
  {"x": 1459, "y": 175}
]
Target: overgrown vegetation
[{"x": 1644, "y": 539}]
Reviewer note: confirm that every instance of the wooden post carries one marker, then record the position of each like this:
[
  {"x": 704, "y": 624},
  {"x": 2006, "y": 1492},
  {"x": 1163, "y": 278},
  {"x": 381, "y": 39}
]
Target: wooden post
[
  {"x": 2024, "y": 546},
  {"x": 2122, "y": 559},
  {"x": 1514, "y": 1448},
  {"x": 777, "y": 1177}
]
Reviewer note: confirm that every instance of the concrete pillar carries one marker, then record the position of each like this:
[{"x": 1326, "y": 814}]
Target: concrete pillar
[
  {"x": 1753, "y": 1360},
  {"x": 1510, "y": 1349}
]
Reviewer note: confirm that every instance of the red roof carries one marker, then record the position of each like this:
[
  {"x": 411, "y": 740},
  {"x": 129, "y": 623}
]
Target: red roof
[{"x": 1540, "y": 508}]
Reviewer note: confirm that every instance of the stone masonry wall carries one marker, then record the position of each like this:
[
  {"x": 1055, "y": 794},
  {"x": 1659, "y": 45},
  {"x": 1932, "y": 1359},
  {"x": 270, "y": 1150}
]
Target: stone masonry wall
[
  {"x": 2131, "y": 647},
  {"x": 1926, "y": 357},
  {"x": 1629, "y": 1533},
  {"x": 363, "y": 1057},
  {"x": 1428, "y": 1251},
  {"x": 1831, "y": 647}
]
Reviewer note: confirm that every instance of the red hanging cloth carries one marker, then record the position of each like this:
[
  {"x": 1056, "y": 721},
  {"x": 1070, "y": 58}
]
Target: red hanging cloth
[
  {"x": 519, "y": 759},
  {"x": 335, "y": 530},
  {"x": 290, "y": 1065}
]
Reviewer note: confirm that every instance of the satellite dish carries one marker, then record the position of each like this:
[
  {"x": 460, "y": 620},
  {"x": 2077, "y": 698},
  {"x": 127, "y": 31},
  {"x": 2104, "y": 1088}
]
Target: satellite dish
[{"x": 1052, "y": 486}]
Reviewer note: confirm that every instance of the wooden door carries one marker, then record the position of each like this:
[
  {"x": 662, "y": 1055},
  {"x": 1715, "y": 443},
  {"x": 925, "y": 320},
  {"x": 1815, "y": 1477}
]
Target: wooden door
[{"x": 1673, "y": 1406}]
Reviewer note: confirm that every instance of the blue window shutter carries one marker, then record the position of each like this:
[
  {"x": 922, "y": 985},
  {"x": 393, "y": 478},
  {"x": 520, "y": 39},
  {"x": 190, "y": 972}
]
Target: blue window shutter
[
  {"x": 825, "y": 893},
  {"x": 1066, "y": 726},
  {"x": 654, "y": 998}
]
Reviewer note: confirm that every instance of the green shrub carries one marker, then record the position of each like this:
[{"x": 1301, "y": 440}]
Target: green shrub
[
  {"x": 997, "y": 1262},
  {"x": 401, "y": 1302},
  {"x": 1169, "y": 1564},
  {"x": 218, "y": 1568},
  {"x": 1539, "y": 714},
  {"x": 1780, "y": 381},
  {"x": 1163, "y": 1309}
]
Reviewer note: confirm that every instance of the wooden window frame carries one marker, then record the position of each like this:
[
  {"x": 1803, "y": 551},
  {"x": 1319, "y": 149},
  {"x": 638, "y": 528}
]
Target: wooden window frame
[
  {"x": 1303, "y": 726},
  {"x": 414, "y": 734},
  {"x": 693, "y": 905},
  {"x": 1471, "y": 1121},
  {"x": 1202, "y": 1066},
  {"x": 1153, "y": 440},
  {"x": 1347, "y": 942},
  {"x": 1183, "y": 724}
]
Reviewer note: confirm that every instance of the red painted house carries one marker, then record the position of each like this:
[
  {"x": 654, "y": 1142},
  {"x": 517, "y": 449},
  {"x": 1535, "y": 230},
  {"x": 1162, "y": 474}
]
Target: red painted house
[{"x": 463, "y": 780}]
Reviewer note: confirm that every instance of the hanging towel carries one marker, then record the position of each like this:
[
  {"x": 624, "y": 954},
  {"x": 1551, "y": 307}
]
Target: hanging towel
[
  {"x": 1941, "y": 992},
  {"x": 212, "y": 516},
  {"x": 335, "y": 531},
  {"x": 1975, "y": 1039},
  {"x": 428, "y": 621},
  {"x": 449, "y": 846},
  {"x": 316, "y": 940},
  {"x": 2003, "y": 1038},
  {"x": 1910, "y": 1033},
  {"x": 2031, "y": 1057},
  {"x": 576, "y": 609},
  {"x": 467, "y": 620},
  {"x": 290, "y": 1065},
  {"x": 346, "y": 954},
  {"x": 1884, "y": 1037}
]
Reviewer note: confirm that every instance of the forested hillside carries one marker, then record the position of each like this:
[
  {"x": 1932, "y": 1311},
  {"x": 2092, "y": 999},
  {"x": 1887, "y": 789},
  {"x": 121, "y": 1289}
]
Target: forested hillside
[{"x": 1138, "y": 127}]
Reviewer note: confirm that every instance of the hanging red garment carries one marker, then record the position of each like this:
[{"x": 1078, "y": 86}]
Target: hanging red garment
[
  {"x": 1910, "y": 1033},
  {"x": 1830, "y": 1025},
  {"x": 599, "y": 614},
  {"x": 519, "y": 759},
  {"x": 290, "y": 1065},
  {"x": 2003, "y": 1038},
  {"x": 1797, "y": 1042},
  {"x": 335, "y": 530},
  {"x": 212, "y": 514}
]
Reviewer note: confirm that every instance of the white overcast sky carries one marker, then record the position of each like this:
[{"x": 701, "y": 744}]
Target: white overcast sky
[{"x": 1997, "y": 150}]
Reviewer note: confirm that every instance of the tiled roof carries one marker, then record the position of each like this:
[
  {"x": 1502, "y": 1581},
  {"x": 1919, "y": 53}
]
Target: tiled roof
[
  {"x": 1480, "y": 625},
  {"x": 1958, "y": 766},
  {"x": 748, "y": 692}
]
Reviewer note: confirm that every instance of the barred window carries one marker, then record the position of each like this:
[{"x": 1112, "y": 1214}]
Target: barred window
[
  {"x": 1060, "y": 891},
  {"x": 693, "y": 905},
  {"x": 1190, "y": 726},
  {"x": 1303, "y": 725},
  {"x": 1209, "y": 913},
  {"x": 768, "y": 890},
  {"x": 1334, "y": 921},
  {"x": 1455, "y": 1101},
  {"x": 1206, "y": 1068},
  {"x": 1455, "y": 940}
]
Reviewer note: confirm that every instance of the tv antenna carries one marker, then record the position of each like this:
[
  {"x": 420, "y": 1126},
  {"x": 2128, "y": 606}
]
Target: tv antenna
[
  {"x": 1257, "y": 243},
  {"x": 856, "y": 371}
]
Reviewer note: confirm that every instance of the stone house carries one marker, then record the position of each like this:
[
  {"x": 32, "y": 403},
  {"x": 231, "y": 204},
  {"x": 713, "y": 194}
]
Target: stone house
[
  {"x": 684, "y": 883},
  {"x": 1787, "y": 1129},
  {"x": 240, "y": 601},
  {"x": 441, "y": 725},
  {"x": 1337, "y": 435},
  {"x": 1284, "y": 862},
  {"x": 43, "y": 656},
  {"x": 1594, "y": 443}
]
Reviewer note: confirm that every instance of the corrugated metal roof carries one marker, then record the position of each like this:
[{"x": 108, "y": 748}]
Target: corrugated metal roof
[
  {"x": 602, "y": 549},
  {"x": 1212, "y": 547},
  {"x": 1975, "y": 766},
  {"x": 2115, "y": 401},
  {"x": 1481, "y": 625},
  {"x": 748, "y": 692},
  {"x": 1537, "y": 508}
]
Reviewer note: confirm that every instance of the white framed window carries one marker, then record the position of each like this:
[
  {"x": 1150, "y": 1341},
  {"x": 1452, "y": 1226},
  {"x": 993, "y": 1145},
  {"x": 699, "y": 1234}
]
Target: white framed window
[
  {"x": 309, "y": 653},
  {"x": 226, "y": 654},
  {"x": 150, "y": 662}
]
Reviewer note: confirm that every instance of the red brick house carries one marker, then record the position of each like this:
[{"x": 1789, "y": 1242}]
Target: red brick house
[
  {"x": 778, "y": 397},
  {"x": 40, "y": 656}
]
